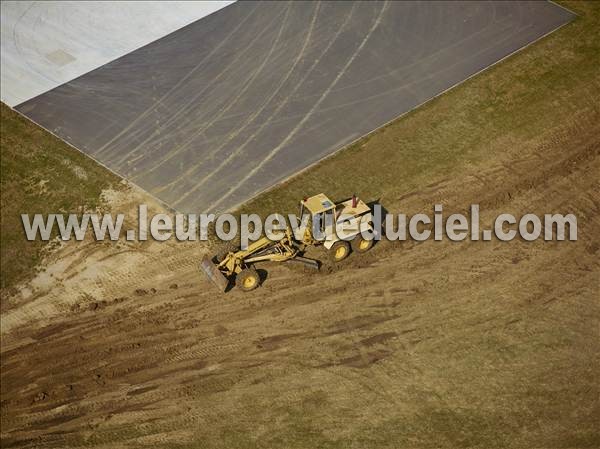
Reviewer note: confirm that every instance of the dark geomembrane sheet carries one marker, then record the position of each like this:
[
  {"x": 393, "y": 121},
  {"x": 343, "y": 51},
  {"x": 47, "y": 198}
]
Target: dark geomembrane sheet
[{"x": 212, "y": 114}]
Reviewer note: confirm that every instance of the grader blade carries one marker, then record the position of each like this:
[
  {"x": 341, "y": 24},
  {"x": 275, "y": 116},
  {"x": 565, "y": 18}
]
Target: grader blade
[
  {"x": 311, "y": 263},
  {"x": 213, "y": 273}
]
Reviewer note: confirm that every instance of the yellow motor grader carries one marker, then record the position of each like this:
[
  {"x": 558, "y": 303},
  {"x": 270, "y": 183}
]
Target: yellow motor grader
[{"x": 234, "y": 264}]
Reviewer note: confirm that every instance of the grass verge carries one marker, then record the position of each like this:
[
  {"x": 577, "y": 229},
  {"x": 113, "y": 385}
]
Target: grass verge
[{"x": 39, "y": 174}]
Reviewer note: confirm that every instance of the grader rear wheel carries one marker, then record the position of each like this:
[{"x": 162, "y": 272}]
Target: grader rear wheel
[
  {"x": 339, "y": 250},
  {"x": 247, "y": 279},
  {"x": 362, "y": 245}
]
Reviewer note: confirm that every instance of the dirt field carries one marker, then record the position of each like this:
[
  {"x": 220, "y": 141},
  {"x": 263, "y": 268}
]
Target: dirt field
[{"x": 433, "y": 344}]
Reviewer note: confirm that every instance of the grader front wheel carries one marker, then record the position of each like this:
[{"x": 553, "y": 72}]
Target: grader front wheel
[{"x": 247, "y": 279}]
